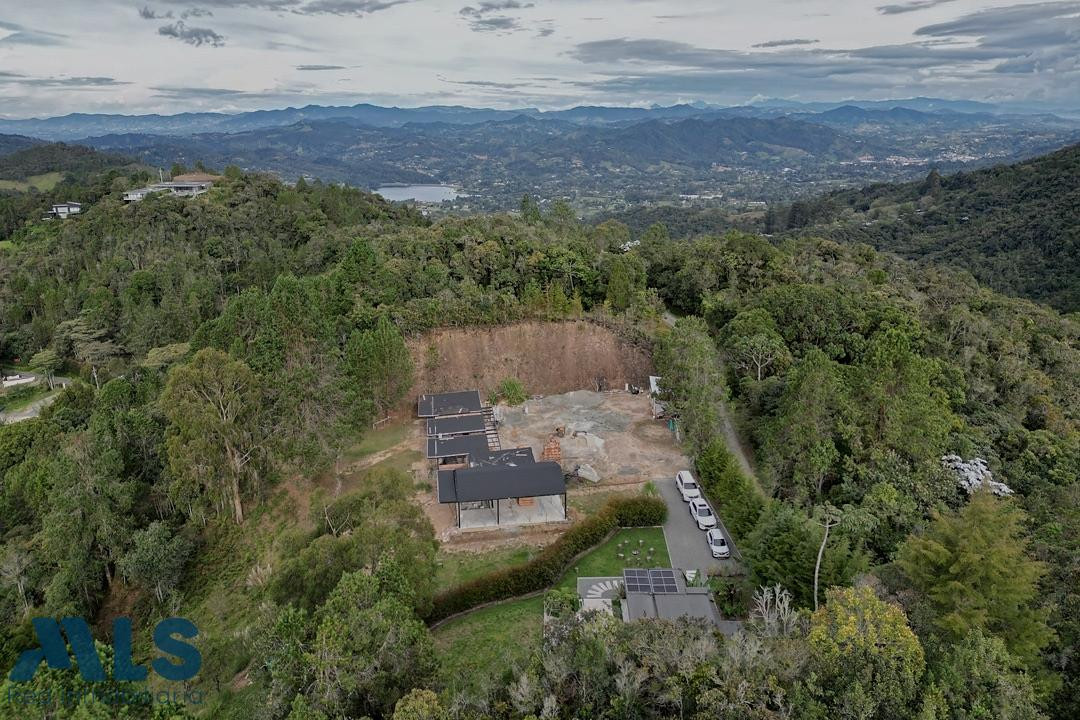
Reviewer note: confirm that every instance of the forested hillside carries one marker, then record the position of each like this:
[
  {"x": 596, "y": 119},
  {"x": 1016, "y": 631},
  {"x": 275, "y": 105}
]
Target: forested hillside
[
  {"x": 1015, "y": 227},
  {"x": 35, "y": 175},
  {"x": 227, "y": 349},
  {"x": 14, "y": 143},
  {"x": 55, "y": 157}
]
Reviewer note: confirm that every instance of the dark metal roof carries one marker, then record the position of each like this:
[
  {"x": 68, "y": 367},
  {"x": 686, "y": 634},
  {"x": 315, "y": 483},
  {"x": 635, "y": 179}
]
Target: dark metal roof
[
  {"x": 460, "y": 425},
  {"x": 471, "y": 445},
  {"x": 662, "y": 593},
  {"x": 452, "y": 403},
  {"x": 498, "y": 482},
  {"x": 672, "y": 607},
  {"x": 508, "y": 457}
]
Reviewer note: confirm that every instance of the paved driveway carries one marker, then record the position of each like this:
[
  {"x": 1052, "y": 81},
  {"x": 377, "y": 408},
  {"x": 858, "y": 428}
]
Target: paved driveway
[{"x": 686, "y": 544}]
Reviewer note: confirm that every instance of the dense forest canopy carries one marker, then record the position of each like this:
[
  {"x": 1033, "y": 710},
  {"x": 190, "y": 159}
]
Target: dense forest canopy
[
  {"x": 221, "y": 345},
  {"x": 1015, "y": 227}
]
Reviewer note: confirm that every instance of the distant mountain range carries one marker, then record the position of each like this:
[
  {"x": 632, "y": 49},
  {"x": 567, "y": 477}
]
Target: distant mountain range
[
  {"x": 81, "y": 125},
  {"x": 603, "y": 159}
]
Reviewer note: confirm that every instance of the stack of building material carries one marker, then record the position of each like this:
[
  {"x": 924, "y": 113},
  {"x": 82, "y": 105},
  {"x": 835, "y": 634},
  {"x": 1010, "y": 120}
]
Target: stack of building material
[{"x": 552, "y": 451}]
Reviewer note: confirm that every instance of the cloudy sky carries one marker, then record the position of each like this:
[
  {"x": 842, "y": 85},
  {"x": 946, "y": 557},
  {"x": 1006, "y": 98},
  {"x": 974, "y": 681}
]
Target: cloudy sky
[{"x": 61, "y": 56}]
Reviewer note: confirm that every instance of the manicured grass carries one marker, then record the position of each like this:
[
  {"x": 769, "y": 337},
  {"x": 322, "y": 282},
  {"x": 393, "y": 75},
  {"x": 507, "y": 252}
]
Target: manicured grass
[
  {"x": 604, "y": 561},
  {"x": 484, "y": 644},
  {"x": 456, "y": 568}
]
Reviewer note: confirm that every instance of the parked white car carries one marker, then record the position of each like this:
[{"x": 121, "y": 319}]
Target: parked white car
[
  {"x": 688, "y": 487},
  {"x": 703, "y": 514},
  {"x": 718, "y": 544}
]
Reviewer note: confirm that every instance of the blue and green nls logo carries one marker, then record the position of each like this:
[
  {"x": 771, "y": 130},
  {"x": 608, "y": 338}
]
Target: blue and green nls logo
[{"x": 54, "y": 651}]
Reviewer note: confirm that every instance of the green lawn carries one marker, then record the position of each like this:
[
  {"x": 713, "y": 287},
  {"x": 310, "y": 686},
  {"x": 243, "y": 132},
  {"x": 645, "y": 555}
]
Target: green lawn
[
  {"x": 456, "y": 568},
  {"x": 604, "y": 561},
  {"x": 6, "y": 244},
  {"x": 486, "y": 643}
]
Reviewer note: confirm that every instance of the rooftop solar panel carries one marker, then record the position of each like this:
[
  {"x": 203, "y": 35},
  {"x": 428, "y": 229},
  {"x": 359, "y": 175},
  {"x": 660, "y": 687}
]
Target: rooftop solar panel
[
  {"x": 663, "y": 582},
  {"x": 636, "y": 580}
]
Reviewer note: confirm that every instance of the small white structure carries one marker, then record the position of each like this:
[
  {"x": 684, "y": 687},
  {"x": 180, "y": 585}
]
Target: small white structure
[
  {"x": 179, "y": 189},
  {"x": 64, "y": 210}
]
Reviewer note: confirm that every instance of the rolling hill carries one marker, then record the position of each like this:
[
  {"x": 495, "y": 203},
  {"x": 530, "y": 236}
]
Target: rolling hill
[{"x": 1015, "y": 227}]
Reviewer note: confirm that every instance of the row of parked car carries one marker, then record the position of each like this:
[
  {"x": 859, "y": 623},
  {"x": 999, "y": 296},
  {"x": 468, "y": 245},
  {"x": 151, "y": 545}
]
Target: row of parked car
[{"x": 702, "y": 513}]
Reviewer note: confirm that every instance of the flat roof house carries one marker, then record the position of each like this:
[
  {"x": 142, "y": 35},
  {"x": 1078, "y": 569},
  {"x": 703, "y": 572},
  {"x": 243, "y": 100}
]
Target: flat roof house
[
  {"x": 653, "y": 593},
  {"x": 179, "y": 189},
  {"x": 64, "y": 210},
  {"x": 487, "y": 485},
  {"x": 504, "y": 487}
]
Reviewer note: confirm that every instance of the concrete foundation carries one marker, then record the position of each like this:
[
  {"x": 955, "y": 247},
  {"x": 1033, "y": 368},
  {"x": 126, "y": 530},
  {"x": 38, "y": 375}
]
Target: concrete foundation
[{"x": 510, "y": 513}]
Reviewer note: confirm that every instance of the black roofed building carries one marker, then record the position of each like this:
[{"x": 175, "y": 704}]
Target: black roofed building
[
  {"x": 653, "y": 593},
  {"x": 504, "y": 487},
  {"x": 444, "y": 427},
  {"x": 489, "y": 486},
  {"x": 463, "y": 402}
]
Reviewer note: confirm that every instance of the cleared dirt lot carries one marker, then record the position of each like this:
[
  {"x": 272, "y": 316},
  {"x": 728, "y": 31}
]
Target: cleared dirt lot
[{"x": 613, "y": 432}]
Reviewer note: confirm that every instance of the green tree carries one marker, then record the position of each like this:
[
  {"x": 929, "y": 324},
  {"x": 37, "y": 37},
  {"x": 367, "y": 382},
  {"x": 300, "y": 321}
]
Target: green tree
[
  {"x": 978, "y": 678},
  {"x": 419, "y": 705},
  {"x": 156, "y": 560},
  {"x": 215, "y": 434},
  {"x": 973, "y": 569},
  {"x": 46, "y": 362},
  {"x": 868, "y": 661},
  {"x": 900, "y": 401},
  {"x": 737, "y": 500},
  {"x": 530, "y": 211},
  {"x": 755, "y": 344},
  {"x": 783, "y": 549},
  {"x": 813, "y": 418},
  {"x": 369, "y": 649},
  {"x": 280, "y": 649},
  {"x": 690, "y": 365},
  {"x": 626, "y": 278},
  {"x": 381, "y": 365}
]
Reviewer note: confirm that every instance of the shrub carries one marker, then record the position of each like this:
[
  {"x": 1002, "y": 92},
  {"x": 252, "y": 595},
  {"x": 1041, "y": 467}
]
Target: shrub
[
  {"x": 512, "y": 391},
  {"x": 544, "y": 570},
  {"x": 737, "y": 501}
]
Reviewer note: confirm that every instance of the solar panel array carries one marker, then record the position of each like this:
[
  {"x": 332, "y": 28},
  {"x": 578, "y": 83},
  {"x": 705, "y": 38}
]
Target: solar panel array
[
  {"x": 637, "y": 580},
  {"x": 659, "y": 581},
  {"x": 663, "y": 581}
]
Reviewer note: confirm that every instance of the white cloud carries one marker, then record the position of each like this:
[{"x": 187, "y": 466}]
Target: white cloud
[{"x": 274, "y": 52}]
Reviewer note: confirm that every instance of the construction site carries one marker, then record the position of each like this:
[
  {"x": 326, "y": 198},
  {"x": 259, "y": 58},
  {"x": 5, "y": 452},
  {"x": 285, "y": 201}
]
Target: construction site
[{"x": 603, "y": 442}]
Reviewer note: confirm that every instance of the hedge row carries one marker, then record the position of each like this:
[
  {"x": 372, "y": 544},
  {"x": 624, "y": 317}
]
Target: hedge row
[
  {"x": 729, "y": 489},
  {"x": 545, "y": 569}
]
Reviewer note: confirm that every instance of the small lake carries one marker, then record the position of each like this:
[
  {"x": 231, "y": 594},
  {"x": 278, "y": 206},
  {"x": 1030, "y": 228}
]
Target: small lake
[{"x": 418, "y": 193}]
